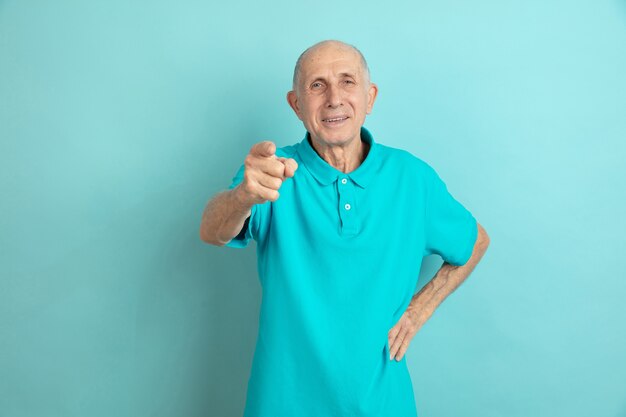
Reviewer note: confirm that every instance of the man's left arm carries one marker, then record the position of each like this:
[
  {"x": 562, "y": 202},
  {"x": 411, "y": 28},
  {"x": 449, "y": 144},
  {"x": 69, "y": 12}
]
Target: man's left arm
[{"x": 423, "y": 304}]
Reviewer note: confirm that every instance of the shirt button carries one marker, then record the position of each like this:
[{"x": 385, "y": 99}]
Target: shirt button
[
  {"x": 343, "y": 181},
  {"x": 347, "y": 206}
]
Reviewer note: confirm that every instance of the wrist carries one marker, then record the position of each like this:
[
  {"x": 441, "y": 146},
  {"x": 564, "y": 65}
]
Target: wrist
[
  {"x": 241, "y": 202},
  {"x": 419, "y": 301}
]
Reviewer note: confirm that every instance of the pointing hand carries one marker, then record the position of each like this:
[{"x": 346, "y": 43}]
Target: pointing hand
[{"x": 264, "y": 173}]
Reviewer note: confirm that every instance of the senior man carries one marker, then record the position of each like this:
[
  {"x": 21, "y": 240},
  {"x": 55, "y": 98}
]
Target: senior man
[{"x": 339, "y": 250}]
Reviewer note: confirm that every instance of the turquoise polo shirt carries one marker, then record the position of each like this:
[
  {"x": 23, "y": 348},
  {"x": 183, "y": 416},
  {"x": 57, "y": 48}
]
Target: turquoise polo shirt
[{"x": 338, "y": 257}]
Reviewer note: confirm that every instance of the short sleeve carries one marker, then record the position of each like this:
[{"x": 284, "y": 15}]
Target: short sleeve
[
  {"x": 450, "y": 229},
  {"x": 249, "y": 227}
]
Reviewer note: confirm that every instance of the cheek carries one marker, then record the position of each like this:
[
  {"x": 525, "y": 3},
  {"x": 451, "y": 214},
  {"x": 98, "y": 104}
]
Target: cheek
[
  {"x": 309, "y": 115},
  {"x": 311, "y": 110}
]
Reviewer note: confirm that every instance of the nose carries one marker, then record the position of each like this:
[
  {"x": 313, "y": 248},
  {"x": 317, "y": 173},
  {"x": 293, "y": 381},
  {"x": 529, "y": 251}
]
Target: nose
[{"x": 333, "y": 96}]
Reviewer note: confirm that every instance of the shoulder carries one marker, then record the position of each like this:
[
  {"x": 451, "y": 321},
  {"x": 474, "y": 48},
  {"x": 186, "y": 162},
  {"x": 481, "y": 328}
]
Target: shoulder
[{"x": 405, "y": 160}]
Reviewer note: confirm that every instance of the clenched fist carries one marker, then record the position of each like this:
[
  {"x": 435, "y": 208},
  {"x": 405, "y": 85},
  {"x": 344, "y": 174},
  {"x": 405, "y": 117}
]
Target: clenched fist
[{"x": 264, "y": 173}]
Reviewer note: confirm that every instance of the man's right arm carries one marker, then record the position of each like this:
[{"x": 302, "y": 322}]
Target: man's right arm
[
  {"x": 224, "y": 217},
  {"x": 225, "y": 214}
]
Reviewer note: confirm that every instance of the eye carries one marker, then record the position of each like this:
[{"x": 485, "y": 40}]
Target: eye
[
  {"x": 316, "y": 84},
  {"x": 349, "y": 81}
]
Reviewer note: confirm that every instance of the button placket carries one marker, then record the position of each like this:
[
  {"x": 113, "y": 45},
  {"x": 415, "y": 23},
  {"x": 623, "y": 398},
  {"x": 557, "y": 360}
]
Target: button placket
[{"x": 347, "y": 213}]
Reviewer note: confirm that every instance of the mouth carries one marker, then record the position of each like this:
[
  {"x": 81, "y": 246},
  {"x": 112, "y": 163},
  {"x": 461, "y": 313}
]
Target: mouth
[{"x": 333, "y": 121}]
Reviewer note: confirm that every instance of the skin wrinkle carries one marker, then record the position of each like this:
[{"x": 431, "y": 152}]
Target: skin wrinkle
[
  {"x": 333, "y": 80},
  {"x": 298, "y": 67}
]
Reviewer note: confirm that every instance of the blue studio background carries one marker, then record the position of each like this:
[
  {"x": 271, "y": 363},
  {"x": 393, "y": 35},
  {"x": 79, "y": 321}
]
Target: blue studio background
[{"x": 119, "y": 120}]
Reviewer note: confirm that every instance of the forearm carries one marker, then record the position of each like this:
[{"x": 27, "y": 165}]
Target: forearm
[
  {"x": 223, "y": 217},
  {"x": 447, "y": 280}
]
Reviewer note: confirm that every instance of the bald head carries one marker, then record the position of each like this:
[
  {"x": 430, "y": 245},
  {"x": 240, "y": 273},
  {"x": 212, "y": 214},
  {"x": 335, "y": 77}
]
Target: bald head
[{"x": 297, "y": 72}]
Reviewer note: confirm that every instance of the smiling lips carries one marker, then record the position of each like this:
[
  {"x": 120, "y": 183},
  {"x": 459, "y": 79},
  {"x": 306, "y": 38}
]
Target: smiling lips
[{"x": 333, "y": 120}]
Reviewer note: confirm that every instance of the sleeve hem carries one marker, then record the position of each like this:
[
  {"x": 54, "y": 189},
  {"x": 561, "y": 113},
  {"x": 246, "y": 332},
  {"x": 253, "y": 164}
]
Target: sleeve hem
[{"x": 242, "y": 242}]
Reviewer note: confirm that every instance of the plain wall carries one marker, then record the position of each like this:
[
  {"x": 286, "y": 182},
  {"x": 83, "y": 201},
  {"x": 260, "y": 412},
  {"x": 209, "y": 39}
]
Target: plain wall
[{"x": 119, "y": 120}]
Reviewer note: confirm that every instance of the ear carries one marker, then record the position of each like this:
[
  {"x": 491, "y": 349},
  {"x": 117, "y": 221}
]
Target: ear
[
  {"x": 372, "y": 92},
  {"x": 292, "y": 99}
]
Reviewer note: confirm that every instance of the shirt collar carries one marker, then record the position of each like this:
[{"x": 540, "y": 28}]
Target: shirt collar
[{"x": 325, "y": 173}]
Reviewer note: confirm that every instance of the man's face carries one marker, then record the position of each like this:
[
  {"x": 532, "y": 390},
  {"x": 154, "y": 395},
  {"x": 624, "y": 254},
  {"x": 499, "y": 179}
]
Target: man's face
[{"x": 332, "y": 85}]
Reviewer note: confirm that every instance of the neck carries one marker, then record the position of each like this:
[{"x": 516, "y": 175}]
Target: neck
[{"x": 344, "y": 157}]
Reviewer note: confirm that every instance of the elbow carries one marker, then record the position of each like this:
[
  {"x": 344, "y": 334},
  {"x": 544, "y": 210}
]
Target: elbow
[
  {"x": 483, "y": 238},
  {"x": 207, "y": 238}
]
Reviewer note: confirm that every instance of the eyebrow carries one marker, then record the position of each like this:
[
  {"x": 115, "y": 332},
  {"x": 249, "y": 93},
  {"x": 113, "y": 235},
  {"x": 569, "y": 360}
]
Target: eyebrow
[{"x": 343, "y": 74}]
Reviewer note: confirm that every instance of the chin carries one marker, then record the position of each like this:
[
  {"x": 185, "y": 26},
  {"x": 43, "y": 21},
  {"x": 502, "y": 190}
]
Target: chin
[{"x": 341, "y": 136}]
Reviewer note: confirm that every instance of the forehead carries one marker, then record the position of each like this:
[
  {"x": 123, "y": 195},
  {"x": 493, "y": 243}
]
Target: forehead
[{"x": 319, "y": 63}]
